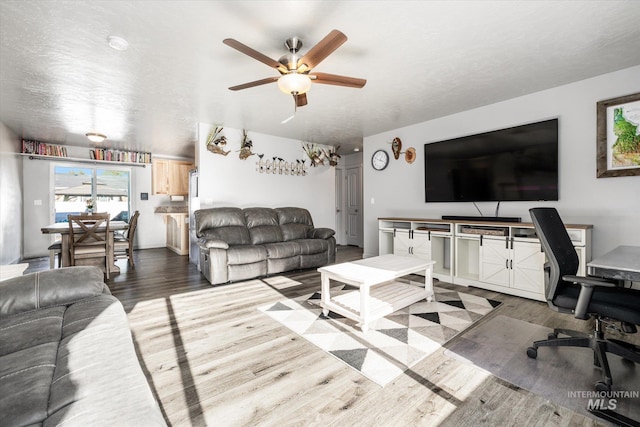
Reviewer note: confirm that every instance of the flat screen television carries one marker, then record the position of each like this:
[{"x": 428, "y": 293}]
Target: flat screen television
[{"x": 515, "y": 164}]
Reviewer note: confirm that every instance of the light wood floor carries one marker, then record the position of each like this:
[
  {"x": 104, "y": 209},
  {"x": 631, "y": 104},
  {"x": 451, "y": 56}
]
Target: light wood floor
[{"x": 213, "y": 359}]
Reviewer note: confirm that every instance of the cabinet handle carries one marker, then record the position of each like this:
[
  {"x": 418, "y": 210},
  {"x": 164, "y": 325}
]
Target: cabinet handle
[
  {"x": 394, "y": 232},
  {"x": 511, "y": 264},
  {"x": 506, "y": 241},
  {"x": 481, "y": 239},
  {"x": 429, "y": 235},
  {"x": 512, "y": 243},
  {"x": 506, "y": 264}
]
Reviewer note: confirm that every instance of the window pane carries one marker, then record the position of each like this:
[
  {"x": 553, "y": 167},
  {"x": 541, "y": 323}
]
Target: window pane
[
  {"x": 112, "y": 193},
  {"x": 72, "y": 187},
  {"x": 108, "y": 188}
]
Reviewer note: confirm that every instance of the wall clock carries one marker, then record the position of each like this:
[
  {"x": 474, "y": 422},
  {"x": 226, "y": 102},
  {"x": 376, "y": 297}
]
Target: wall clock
[{"x": 380, "y": 160}]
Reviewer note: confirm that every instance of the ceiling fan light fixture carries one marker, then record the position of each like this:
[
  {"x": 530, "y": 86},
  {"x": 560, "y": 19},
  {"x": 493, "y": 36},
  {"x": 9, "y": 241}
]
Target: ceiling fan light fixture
[
  {"x": 294, "y": 83},
  {"x": 96, "y": 137}
]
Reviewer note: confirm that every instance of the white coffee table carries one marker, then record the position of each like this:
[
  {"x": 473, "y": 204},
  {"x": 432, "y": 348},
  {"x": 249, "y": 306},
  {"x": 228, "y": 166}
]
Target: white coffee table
[{"x": 379, "y": 292}]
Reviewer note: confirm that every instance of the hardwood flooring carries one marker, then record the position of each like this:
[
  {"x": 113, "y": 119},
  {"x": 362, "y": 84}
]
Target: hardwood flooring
[{"x": 213, "y": 359}]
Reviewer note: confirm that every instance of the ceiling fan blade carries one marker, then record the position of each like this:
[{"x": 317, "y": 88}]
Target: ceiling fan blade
[
  {"x": 301, "y": 100},
  {"x": 255, "y": 54},
  {"x": 320, "y": 51},
  {"x": 333, "y": 79},
  {"x": 256, "y": 83}
]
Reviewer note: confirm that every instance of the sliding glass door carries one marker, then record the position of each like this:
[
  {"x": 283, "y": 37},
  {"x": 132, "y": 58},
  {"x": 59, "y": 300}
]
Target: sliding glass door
[{"x": 108, "y": 188}]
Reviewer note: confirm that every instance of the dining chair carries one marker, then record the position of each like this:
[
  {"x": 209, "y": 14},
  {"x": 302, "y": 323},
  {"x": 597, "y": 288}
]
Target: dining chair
[
  {"x": 123, "y": 244},
  {"x": 89, "y": 238},
  {"x": 55, "y": 249}
]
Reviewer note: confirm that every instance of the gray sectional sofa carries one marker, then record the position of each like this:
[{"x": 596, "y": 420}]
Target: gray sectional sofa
[
  {"x": 238, "y": 244},
  {"x": 66, "y": 354}
]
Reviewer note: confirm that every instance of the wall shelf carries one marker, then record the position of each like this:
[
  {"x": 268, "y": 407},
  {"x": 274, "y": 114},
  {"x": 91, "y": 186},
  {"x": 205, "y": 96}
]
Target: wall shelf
[{"x": 79, "y": 160}]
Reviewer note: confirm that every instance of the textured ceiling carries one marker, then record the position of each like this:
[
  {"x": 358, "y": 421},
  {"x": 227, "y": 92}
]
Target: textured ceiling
[{"x": 422, "y": 60}]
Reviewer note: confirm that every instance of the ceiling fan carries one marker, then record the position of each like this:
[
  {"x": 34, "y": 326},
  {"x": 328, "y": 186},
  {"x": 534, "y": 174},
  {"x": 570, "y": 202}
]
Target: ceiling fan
[{"x": 295, "y": 70}]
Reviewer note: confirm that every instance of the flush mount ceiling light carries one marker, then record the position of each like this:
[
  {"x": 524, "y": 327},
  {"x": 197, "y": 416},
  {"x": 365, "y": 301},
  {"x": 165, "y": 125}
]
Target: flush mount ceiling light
[
  {"x": 96, "y": 137},
  {"x": 117, "y": 43},
  {"x": 294, "y": 83}
]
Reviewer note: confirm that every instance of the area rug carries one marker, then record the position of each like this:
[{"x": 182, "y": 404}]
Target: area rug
[
  {"x": 392, "y": 344},
  {"x": 565, "y": 376}
]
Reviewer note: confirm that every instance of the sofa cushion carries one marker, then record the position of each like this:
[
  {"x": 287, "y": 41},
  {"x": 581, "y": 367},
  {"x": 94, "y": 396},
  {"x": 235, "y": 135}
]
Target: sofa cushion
[
  {"x": 263, "y": 225},
  {"x": 48, "y": 288},
  {"x": 295, "y": 223},
  {"x": 226, "y": 224},
  {"x": 312, "y": 246},
  {"x": 282, "y": 250},
  {"x": 230, "y": 235},
  {"x": 245, "y": 254}
]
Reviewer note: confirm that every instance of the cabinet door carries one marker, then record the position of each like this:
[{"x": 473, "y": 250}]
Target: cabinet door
[
  {"x": 160, "y": 176},
  {"x": 179, "y": 177},
  {"x": 528, "y": 267},
  {"x": 401, "y": 242},
  {"x": 421, "y": 246},
  {"x": 494, "y": 262}
]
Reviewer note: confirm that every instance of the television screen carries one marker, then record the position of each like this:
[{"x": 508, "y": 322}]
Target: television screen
[{"x": 514, "y": 164}]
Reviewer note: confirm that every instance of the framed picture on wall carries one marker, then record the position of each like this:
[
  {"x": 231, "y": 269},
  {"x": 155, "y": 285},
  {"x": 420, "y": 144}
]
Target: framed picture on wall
[{"x": 618, "y": 136}]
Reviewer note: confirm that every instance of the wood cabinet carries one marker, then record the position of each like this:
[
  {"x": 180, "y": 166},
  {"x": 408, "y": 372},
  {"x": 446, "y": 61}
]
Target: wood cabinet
[
  {"x": 171, "y": 177},
  {"x": 177, "y": 233},
  {"x": 502, "y": 257}
]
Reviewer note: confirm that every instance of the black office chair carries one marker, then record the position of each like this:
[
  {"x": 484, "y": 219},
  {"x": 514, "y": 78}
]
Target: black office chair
[{"x": 584, "y": 297}]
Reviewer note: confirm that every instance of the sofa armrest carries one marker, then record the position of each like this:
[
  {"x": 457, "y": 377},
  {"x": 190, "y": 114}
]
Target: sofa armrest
[
  {"x": 211, "y": 243},
  {"x": 49, "y": 288},
  {"x": 321, "y": 233}
]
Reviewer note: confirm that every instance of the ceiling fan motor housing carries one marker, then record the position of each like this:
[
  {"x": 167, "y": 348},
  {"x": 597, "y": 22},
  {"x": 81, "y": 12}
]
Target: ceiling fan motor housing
[{"x": 290, "y": 60}]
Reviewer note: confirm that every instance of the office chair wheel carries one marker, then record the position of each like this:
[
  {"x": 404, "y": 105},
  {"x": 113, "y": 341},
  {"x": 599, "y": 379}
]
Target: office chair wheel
[
  {"x": 532, "y": 352},
  {"x": 552, "y": 336},
  {"x": 602, "y": 386}
]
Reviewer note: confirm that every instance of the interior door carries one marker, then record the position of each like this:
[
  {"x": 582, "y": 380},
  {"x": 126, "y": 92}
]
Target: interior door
[
  {"x": 340, "y": 207},
  {"x": 353, "y": 197}
]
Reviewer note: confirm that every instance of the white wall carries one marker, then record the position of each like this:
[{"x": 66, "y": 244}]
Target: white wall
[
  {"x": 612, "y": 205},
  {"x": 230, "y": 181},
  {"x": 10, "y": 196},
  {"x": 38, "y": 178}
]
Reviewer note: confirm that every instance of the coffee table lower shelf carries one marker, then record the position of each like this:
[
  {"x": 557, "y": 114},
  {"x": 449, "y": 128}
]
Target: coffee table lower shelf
[{"x": 383, "y": 300}]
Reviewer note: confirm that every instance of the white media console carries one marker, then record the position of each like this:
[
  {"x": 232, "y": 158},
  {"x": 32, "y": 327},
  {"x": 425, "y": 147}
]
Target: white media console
[{"x": 501, "y": 256}]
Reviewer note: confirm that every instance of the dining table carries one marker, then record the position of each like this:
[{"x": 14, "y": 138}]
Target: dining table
[{"x": 62, "y": 228}]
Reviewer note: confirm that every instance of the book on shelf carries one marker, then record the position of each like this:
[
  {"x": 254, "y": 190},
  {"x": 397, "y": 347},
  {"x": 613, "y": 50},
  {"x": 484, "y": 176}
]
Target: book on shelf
[
  {"x": 43, "y": 148},
  {"x": 119, "y": 156}
]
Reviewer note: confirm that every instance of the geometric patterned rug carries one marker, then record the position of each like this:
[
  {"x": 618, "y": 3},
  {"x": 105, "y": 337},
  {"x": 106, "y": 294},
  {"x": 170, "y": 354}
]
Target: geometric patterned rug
[{"x": 392, "y": 344}]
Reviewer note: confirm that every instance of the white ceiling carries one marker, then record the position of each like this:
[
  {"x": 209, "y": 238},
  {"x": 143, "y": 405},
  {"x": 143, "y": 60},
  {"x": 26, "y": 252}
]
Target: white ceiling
[{"x": 422, "y": 60}]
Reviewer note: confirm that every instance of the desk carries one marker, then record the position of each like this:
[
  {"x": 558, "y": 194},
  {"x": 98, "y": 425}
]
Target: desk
[
  {"x": 622, "y": 263},
  {"x": 62, "y": 228}
]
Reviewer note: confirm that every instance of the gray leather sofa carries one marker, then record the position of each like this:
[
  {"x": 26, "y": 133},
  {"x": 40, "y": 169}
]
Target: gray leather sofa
[
  {"x": 66, "y": 354},
  {"x": 238, "y": 244}
]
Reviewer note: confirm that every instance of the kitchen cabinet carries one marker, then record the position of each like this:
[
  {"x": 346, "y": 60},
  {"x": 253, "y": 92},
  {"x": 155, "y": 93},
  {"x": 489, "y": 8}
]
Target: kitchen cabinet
[{"x": 171, "y": 177}]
